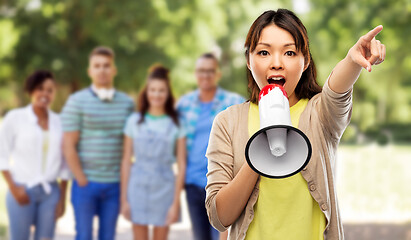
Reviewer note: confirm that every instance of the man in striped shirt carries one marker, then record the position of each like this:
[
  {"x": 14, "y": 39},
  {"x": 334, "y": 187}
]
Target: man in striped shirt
[{"x": 93, "y": 121}]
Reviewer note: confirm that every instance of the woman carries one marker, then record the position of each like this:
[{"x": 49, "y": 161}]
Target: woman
[
  {"x": 150, "y": 193},
  {"x": 32, "y": 137},
  {"x": 303, "y": 206}
]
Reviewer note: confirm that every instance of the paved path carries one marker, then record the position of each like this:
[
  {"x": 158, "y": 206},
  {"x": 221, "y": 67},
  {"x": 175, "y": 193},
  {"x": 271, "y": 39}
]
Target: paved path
[
  {"x": 352, "y": 232},
  {"x": 178, "y": 231},
  {"x": 175, "y": 234}
]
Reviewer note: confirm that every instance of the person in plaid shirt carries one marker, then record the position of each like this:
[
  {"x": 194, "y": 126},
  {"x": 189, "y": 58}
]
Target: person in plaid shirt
[{"x": 197, "y": 111}]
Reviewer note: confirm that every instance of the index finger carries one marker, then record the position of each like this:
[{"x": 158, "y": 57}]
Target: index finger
[{"x": 371, "y": 34}]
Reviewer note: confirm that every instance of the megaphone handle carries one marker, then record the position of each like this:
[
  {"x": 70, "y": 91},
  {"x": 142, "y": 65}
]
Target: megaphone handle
[{"x": 277, "y": 140}]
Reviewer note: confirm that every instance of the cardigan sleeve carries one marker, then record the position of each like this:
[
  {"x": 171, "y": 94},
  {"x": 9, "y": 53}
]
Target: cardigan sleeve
[
  {"x": 220, "y": 165},
  {"x": 335, "y": 111}
]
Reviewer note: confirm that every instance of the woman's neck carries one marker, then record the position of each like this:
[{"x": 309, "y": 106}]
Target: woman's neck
[
  {"x": 42, "y": 116},
  {"x": 40, "y": 112},
  {"x": 156, "y": 111}
]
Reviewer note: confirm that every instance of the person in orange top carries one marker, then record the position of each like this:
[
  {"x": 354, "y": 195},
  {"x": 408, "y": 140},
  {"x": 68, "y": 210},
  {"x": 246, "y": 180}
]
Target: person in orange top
[{"x": 303, "y": 206}]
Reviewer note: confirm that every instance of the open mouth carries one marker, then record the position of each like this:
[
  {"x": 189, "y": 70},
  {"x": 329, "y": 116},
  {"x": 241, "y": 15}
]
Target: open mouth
[{"x": 276, "y": 80}]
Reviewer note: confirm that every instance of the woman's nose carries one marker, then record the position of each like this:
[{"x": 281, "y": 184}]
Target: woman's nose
[{"x": 276, "y": 62}]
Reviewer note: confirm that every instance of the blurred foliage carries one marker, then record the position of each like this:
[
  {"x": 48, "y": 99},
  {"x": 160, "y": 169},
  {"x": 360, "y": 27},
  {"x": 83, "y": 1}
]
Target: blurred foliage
[
  {"x": 382, "y": 98},
  {"x": 58, "y": 35}
]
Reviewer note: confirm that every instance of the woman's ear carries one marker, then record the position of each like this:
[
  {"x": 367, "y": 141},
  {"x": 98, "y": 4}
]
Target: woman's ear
[
  {"x": 307, "y": 63},
  {"x": 248, "y": 61}
]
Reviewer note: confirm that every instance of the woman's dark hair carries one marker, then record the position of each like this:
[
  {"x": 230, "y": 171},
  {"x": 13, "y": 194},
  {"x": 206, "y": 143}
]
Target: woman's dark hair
[
  {"x": 36, "y": 79},
  {"x": 307, "y": 87},
  {"x": 157, "y": 72}
]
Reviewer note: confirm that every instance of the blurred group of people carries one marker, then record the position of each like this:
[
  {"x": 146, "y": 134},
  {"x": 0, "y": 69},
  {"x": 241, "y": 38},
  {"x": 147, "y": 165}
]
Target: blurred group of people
[
  {"x": 118, "y": 154},
  {"x": 99, "y": 135}
]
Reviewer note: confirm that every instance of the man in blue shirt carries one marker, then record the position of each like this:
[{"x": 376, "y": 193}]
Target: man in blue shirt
[{"x": 198, "y": 110}]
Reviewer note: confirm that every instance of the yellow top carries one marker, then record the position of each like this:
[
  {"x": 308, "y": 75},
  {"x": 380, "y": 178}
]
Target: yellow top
[
  {"x": 46, "y": 142},
  {"x": 285, "y": 208}
]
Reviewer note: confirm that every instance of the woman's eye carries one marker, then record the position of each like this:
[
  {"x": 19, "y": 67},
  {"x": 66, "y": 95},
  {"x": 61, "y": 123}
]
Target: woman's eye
[
  {"x": 290, "y": 53},
  {"x": 263, "y": 53}
]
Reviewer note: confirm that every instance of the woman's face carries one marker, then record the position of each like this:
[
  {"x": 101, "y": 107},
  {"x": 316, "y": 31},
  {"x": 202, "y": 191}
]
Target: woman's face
[
  {"x": 276, "y": 60},
  {"x": 157, "y": 93},
  {"x": 44, "y": 94}
]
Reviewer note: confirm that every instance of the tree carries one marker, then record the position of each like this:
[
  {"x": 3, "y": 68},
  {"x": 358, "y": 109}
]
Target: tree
[
  {"x": 384, "y": 95},
  {"x": 59, "y": 35}
]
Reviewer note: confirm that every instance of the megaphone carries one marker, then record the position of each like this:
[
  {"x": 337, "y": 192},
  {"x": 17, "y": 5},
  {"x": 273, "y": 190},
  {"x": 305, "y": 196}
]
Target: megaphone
[{"x": 277, "y": 150}]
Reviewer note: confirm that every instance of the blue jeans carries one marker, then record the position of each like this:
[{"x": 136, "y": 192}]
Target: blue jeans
[
  {"x": 202, "y": 229},
  {"x": 101, "y": 199},
  {"x": 40, "y": 212}
]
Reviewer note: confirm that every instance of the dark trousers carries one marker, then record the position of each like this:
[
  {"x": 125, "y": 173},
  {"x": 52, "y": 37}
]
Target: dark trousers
[{"x": 202, "y": 229}]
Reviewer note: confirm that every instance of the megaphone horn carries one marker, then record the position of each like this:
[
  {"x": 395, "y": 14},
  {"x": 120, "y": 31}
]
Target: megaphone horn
[{"x": 277, "y": 150}]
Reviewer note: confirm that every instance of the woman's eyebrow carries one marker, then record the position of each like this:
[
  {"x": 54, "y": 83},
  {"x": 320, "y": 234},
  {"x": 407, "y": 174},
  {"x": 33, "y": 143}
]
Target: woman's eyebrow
[
  {"x": 269, "y": 45},
  {"x": 266, "y": 44}
]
